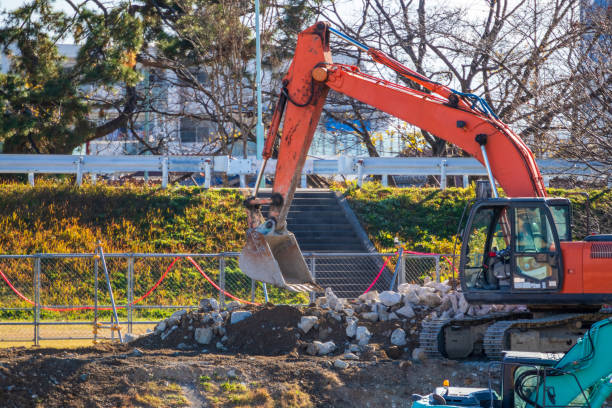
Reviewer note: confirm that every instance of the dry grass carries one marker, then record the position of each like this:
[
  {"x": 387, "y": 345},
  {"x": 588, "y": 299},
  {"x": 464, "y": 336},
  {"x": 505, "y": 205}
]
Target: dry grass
[{"x": 161, "y": 395}]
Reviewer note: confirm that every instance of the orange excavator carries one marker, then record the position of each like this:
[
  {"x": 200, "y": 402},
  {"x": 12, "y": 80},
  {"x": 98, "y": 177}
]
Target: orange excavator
[{"x": 515, "y": 250}]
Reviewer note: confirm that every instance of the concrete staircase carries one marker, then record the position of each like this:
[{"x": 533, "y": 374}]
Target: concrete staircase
[{"x": 321, "y": 224}]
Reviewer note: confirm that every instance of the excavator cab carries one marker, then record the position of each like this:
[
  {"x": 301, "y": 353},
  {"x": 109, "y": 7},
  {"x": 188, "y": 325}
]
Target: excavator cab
[{"x": 512, "y": 245}]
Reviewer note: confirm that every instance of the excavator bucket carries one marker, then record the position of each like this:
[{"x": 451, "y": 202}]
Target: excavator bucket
[{"x": 276, "y": 259}]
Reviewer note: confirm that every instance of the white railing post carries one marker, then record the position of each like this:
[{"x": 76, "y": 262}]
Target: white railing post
[
  {"x": 165, "y": 172},
  {"x": 79, "y": 171},
  {"x": 359, "y": 172},
  {"x": 385, "y": 180},
  {"x": 31, "y": 179},
  {"x": 443, "y": 174},
  {"x": 466, "y": 181},
  {"x": 207, "y": 173},
  {"x": 303, "y": 181}
]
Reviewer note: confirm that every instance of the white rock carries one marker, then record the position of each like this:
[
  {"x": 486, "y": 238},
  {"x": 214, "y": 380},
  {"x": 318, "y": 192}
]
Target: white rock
[
  {"x": 348, "y": 311},
  {"x": 336, "y": 316},
  {"x": 129, "y": 337},
  {"x": 371, "y": 316},
  {"x": 441, "y": 287},
  {"x": 239, "y": 315},
  {"x": 354, "y": 348},
  {"x": 419, "y": 355},
  {"x": 362, "y": 335},
  {"x": 430, "y": 299},
  {"x": 340, "y": 364},
  {"x": 390, "y": 298},
  {"x": 351, "y": 328},
  {"x": 203, "y": 335},
  {"x": 209, "y": 304},
  {"x": 370, "y": 296},
  {"x": 319, "y": 348},
  {"x": 161, "y": 326},
  {"x": 404, "y": 288},
  {"x": 350, "y": 356},
  {"x": 406, "y": 311},
  {"x": 411, "y": 298},
  {"x": 165, "y": 334},
  {"x": 307, "y": 322},
  {"x": 172, "y": 321},
  {"x": 234, "y": 304},
  {"x": 178, "y": 314},
  {"x": 332, "y": 299},
  {"x": 398, "y": 337}
]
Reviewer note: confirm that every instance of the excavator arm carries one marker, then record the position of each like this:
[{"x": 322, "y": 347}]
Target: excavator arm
[{"x": 460, "y": 119}]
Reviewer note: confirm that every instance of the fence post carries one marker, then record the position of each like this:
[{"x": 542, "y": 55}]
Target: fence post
[
  {"x": 130, "y": 291},
  {"x": 37, "y": 300},
  {"x": 79, "y": 171},
  {"x": 95, "y": 331},
  {"x": 253, "y": 283},
  {"x": 207, "y": 173},
  {"x": 164, "y": 172},
  {"x": 313, "y": 271},
  {"x": 222, "y": 279},
  {"x": 359, "y": 172},
  {"x": 438, "y": 268},
  {"x": 402, "y": 271},
  {"x": 443, "y": 175}
]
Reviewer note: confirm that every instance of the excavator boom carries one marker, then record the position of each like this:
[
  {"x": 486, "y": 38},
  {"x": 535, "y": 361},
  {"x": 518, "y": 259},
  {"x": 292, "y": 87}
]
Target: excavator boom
[{"x": 271, "y": 253}]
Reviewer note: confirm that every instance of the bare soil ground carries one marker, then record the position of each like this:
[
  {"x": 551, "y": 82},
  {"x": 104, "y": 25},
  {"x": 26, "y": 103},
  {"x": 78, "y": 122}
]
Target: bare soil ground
[{"x": 110, "y": 375}]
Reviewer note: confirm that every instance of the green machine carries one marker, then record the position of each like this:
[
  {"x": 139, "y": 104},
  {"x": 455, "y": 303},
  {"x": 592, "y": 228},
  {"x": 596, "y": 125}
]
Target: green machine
[{"x": 580, "y": 378}]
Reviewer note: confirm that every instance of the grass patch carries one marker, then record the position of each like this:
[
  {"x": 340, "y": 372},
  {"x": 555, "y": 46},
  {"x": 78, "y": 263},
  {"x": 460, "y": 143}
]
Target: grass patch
[{"x": 161, "y": 395}]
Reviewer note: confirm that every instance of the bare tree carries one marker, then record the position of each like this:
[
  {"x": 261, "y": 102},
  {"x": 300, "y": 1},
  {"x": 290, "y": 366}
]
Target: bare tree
[
  {"x": 512, "y": 53},
  {"x": 587, "y": 124}
]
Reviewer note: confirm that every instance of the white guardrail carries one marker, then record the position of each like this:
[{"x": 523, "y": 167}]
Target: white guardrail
[{"x": 208, "y": 165}]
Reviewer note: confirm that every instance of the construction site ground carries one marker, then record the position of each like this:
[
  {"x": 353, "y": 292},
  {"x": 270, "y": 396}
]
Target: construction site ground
[{"x": 112, "y": 375}]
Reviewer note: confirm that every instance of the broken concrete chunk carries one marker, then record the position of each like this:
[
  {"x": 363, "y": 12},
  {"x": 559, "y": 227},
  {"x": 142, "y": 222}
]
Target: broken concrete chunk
[
  {"x": 390, "y": 298},
  {"x": 129, "y": 337},
  {"x": 411, "y": 298},
  {"x": 430, "y": 299},
  {"x": 351, "y": 328},
  {"x": 406, "y": 311},
  {"x": 370, "y": 296},
  {"x": 371, "y": 316},
  {"x": 419, "y": 355},
  {"x": 165, "y": 334},
  {"x": 161, "y": 326},
  {"x": 239, "y": 315},
  {"x": 340, "y": 364},
  {"x": 307, "y": 322},
  {"x": 362, "y": 335},
  {"x": 398, "y": 337},
  {"x": 209, "y": 304},
  {"x": 232, "y": 305},
  {"x": 350, "y": 356},
  {"x": 203, "y": 335},
  {"x": 178, "y": 314},
  {"x": 317, "y": 348}
]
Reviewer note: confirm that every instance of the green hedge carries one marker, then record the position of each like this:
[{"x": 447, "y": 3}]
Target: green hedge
[{"x": 426, "y": 219}]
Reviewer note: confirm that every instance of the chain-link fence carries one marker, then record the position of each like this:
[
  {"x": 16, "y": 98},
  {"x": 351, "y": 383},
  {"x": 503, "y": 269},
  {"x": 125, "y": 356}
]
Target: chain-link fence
[{"x": 39, "y": 293}]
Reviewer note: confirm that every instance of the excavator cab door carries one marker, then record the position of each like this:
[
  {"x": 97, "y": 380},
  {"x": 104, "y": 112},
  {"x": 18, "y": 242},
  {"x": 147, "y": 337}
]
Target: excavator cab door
[
  {"x": 510, "y": 245},
  {"x": 537, "y": 252}
]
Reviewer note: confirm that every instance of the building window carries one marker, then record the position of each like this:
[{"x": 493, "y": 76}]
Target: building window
[{"x": 194, "y": 131}]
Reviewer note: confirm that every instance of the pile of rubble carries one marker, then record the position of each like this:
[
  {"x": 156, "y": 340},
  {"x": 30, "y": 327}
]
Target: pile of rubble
[{"x": 376, "y": 325}]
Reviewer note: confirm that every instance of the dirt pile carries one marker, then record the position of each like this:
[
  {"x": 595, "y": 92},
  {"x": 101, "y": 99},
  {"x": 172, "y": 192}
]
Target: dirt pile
[{"x": 376, "y": 325}]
